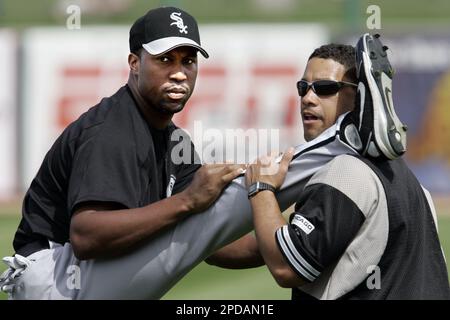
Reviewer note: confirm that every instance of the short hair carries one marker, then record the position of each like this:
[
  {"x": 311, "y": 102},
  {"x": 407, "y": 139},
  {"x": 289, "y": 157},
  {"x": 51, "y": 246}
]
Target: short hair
[
  {"x": 138, "y": 52},
  {"x": 342, "y": 53}
]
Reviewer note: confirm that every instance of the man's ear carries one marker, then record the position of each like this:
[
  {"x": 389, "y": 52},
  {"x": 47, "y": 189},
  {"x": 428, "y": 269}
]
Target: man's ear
[{"x": 134, "y": 63}]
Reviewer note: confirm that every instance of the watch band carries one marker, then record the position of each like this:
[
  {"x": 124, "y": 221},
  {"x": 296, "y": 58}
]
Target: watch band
[{"x": 259, "y": 186}]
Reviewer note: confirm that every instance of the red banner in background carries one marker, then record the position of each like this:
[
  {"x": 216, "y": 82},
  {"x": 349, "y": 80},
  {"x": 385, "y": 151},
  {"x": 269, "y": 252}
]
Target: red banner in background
[{"x": 79, "y": 89}]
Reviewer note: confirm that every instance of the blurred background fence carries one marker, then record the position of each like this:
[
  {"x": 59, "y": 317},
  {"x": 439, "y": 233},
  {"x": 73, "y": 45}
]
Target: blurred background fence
[{"x": 60, "y": 57}]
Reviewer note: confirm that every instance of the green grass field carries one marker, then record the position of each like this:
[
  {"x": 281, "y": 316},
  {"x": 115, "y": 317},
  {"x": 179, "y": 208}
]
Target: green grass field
[
  {"x": 210, "y": 283},
  {"x": 412, "y": 13}
]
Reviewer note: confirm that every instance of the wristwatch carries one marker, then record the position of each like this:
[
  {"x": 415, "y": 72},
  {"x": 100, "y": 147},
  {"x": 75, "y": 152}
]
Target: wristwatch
[{"x": 257, "y": 187}]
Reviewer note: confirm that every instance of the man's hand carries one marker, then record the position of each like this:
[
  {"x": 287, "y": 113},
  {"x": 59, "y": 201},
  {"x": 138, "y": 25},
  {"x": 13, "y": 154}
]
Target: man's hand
[
  {"x": 208, "y": 183},
  {"x": 266, "y": 170}
]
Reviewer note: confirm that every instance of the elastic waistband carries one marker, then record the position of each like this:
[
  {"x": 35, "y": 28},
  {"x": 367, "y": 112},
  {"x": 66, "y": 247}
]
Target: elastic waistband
[{"x": 33, "y": 247}]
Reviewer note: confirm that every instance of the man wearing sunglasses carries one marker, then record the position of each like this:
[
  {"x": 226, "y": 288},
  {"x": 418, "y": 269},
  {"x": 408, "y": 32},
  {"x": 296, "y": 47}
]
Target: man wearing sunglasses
[
  {"x": 362, "y": 228},
  {"x": 317, "y": 119}
]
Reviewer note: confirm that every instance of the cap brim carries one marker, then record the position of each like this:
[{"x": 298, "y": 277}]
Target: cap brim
[{"x": 163, "y": 45}]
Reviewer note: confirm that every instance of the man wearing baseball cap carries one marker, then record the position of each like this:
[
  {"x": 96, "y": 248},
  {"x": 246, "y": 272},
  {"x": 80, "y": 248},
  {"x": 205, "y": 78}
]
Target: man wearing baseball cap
[
  {"x": 109, "y": 184},
  {"x": 164, "y": 29}
]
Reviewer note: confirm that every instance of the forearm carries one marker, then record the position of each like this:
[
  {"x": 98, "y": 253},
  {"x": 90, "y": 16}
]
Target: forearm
[
  {"x": 106, "y": 233},
  {"x": 240, "y": 254},
  {"x": 267, "y": 219}
]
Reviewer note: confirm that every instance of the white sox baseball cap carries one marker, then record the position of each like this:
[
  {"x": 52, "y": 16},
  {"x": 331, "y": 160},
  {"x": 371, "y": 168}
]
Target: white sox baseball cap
[{"x": 163, "y": 29}]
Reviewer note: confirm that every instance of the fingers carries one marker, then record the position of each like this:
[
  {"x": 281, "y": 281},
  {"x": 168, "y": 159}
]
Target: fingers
[
  {"x": 265, "y": 161},
  {"x": 264, "y": 168},
  {"x": 223, "y": 173},
  {"x": 286, "y": 159},
  {"x": 219, "y": 168},
  {"x": 233, "y": 172},
  {"x": 249, "y": 175},
  {"x": 223, "y": 169},
  {"x": 214, "y": 166}
]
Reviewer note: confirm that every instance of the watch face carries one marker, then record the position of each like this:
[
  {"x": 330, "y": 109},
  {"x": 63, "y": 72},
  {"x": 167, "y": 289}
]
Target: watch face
[{"x": 252, "y": 189}]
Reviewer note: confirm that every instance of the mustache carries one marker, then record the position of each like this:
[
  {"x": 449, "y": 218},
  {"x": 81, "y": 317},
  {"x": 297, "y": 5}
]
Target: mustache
[
  {"x": 307, "y": 112},
  {"x": 176, "y": 88}
]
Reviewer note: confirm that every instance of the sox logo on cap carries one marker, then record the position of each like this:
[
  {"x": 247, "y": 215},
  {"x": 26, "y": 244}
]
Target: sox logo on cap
[{"x": 178, "y": 22}]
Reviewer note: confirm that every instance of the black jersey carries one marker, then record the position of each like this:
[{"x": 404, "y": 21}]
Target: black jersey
[
  {"x": 110, "y": 154},
  {"x": 365, "y": 230}
]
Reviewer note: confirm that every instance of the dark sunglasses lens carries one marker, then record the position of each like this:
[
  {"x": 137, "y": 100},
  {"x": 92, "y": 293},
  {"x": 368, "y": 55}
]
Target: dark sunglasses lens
[
  {"x": 326, "y": 87},
  {"x": 302, "y": 87}
]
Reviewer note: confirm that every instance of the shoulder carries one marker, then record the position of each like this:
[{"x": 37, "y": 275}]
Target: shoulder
[
  {"x": 113, "y": 126},
  {"x": 344, "y": 168},
  {"x": 90, "y": 122},
  {"x": 115, "y": 109},
  {"x": 117, "y": 116},
  {"x": 354, "y": 178}
]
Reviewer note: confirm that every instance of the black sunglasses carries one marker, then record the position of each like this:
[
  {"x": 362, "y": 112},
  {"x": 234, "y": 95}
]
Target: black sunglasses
[{"x": 322, "y": 87}]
